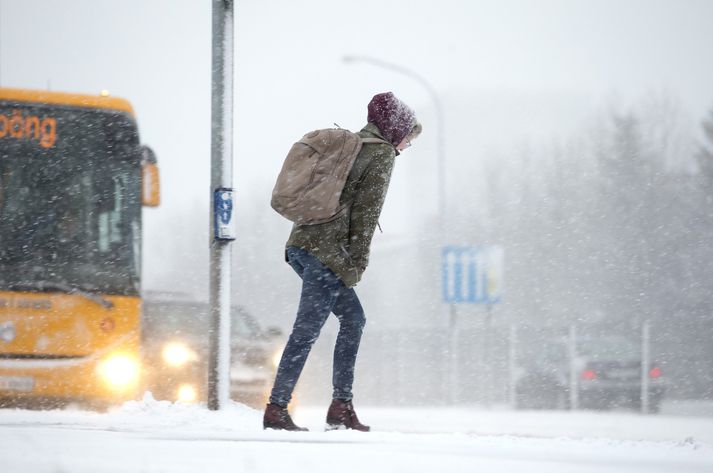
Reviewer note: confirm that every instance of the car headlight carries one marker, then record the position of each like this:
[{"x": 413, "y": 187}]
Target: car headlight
[
  {"x": 187, "y": 393},
  {"x": 120, "y": 371},
  {"x": 177, "y": 354}
]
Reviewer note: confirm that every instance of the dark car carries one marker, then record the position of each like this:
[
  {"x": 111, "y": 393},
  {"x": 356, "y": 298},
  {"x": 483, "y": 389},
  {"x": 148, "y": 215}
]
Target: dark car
[{"x": 607, "y": 374}]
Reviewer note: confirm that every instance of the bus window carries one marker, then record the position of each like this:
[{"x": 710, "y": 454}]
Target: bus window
[
  {"x": 110, "y": 214},
  {"x": 71, "y": 213}
]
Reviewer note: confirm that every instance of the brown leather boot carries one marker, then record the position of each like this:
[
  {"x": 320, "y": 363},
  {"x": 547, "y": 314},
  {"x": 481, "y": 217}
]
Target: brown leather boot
[
  {"x": 341, "y": 415},
  {"x": 276, "y": 417}
]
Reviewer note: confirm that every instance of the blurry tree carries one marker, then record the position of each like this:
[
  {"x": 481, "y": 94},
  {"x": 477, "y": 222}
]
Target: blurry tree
[
  {"x": 620, "y": 211},
  {"x": 612, "y": 228},
  {"x": 600, "y": 228}
]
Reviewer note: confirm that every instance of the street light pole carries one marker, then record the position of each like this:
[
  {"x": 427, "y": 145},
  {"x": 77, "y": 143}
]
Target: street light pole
[
  {"x": 441, "y": 217},
  {"x": 440, "y": 135}
]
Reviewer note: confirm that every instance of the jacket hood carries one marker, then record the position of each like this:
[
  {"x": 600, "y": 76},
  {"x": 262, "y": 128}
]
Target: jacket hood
[{"x": 394, "y": 118}]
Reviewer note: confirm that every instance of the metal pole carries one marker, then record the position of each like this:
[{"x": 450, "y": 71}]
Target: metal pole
[
  {"x": 453, "y": 351},
  {"x": 645, "y": 364},
  {"x": 512, "y": 366},
  {"x": 400, "y": 359},
  {"x": 489, "y": 356},
  {"x": 221, "y": 177},
  {"x": 573, "y": 369}
]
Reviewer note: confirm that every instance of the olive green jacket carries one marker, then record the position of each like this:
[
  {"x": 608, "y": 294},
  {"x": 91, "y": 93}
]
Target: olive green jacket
[{"x": 343, "y": 243}]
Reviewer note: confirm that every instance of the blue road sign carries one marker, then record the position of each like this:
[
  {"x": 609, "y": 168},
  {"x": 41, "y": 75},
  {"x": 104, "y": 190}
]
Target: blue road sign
[{"x": 472, "y": 274}]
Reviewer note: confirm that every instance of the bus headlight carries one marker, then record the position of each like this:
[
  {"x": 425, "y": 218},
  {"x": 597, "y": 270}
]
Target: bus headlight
[
  {"x": 119, "y": 371},
  {"x": 177, "y": 354}
]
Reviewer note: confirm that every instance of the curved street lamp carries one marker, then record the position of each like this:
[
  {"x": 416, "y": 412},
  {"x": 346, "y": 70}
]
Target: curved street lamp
[
  {"x": 440, "y": 137},
  {"x": 441, "y": 158}
]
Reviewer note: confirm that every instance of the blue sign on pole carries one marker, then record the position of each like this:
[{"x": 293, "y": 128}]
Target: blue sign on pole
[
  {"x": 223, "y": 216},
  {"x": 472, "y": 274}
]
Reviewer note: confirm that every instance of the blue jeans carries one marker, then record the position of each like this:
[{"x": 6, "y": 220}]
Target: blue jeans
[{"x": 322, "y": 292}]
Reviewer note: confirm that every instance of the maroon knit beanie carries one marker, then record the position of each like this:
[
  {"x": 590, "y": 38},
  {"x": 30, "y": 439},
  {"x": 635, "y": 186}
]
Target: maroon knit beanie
[{"x": 394, "y": 118}]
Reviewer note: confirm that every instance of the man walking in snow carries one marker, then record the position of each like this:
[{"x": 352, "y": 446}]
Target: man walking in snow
[{"x": 331, "y": 258}]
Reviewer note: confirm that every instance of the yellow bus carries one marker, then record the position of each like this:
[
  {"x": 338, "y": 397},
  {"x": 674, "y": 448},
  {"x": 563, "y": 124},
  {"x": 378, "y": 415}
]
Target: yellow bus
[{"x": 73, "y": 179}]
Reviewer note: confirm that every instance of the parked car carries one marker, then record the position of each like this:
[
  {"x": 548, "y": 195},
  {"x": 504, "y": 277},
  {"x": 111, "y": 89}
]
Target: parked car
[
  {"x": 608, "y": 375},
  {"x": 175, "y": 345},
  {"x": 543, "y": 379}
]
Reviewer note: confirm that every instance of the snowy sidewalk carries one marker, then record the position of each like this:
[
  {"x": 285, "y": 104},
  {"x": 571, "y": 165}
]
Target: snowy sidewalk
[
  {"x": 612, "y": 425},
  {"x": 153, "y": 436}
]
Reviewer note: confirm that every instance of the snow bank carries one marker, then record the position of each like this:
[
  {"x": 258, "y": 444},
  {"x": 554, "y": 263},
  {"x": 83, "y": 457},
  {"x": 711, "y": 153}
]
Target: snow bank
[{"x": 147, "y": 414}]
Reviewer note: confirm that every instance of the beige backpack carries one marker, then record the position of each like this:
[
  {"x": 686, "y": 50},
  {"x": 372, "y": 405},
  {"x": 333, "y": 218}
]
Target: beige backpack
[{"x": 313, "y": 175}]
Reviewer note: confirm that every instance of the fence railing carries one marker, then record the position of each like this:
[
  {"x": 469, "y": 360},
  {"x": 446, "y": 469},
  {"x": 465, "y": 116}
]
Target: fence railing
[{"x": 416, "y": 366}]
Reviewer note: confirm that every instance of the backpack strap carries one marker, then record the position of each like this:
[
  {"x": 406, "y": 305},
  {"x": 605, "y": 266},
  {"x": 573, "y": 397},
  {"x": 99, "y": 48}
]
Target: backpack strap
[{"x": 374, "y": 141}]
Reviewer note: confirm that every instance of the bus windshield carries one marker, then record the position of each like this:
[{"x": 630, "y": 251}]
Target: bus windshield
[{"x": 69, "y": 200}]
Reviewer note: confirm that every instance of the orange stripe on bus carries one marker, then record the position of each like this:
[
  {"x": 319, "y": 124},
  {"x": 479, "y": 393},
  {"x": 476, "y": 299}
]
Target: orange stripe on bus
[{"x": 62, "y": 98}]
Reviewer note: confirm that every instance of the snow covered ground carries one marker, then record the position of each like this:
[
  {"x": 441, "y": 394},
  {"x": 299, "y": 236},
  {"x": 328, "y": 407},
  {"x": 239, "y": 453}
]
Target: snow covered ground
[{"x": 151, "y": 436}]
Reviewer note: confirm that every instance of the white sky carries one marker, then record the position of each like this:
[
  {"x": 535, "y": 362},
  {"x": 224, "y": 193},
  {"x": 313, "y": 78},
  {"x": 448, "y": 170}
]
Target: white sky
[{"x": 533, "y": 67}]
